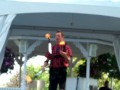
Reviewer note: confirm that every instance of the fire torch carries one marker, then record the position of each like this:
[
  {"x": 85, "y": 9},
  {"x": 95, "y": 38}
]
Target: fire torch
[
  {"x": 47, "y": 36},
  {"x": 28, "y": 78}
]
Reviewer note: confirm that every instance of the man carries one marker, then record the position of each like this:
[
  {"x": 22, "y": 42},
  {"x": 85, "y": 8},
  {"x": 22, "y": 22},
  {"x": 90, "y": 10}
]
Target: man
[
  {"x": 105, "y": 86},
  {"x": 59, "y": 61}
]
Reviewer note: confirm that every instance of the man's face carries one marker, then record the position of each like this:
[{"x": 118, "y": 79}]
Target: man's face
[{"x": 59, "y": 37}]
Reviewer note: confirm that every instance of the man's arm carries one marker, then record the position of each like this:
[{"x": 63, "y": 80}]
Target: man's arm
[
  {"x": 49, "y": 57},
  {"x": 44, "y": 65},
  {"x": 65, "y": 55}
]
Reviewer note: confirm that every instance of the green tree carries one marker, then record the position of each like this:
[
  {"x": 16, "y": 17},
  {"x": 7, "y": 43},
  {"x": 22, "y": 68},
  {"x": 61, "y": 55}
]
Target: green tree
[
  {"x": 104, "y": 67},
  {"x": 31, "y": 71},
  {"x": 103, "y": 63}
]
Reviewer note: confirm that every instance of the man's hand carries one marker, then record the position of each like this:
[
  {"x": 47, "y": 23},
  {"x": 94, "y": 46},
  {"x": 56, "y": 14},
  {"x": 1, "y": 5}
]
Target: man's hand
[
  {"x": 64, "y": 54},
  {"x": 43, "y": 68}
]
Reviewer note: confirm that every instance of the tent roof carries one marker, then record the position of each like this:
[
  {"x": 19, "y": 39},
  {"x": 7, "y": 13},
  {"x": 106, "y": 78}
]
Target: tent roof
[{"x": 84, "y": 22}]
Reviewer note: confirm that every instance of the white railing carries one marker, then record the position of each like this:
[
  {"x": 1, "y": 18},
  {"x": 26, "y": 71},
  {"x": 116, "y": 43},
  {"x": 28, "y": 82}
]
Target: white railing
[{"x": 10, "y": 88}]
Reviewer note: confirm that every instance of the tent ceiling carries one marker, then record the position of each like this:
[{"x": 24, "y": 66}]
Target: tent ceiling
[
  {"x": 75, "y": 26},
  {"x": 67, "y": 20}
]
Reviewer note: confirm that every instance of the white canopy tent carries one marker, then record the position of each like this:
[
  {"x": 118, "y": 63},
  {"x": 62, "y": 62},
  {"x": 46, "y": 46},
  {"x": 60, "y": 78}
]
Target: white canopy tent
[{"x": 84, "y": 24}]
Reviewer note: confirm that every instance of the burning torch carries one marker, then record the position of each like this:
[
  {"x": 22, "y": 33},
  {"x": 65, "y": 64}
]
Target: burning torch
[
  {"x": 28, "y": 78},
  {"x": 47, "y": 36},
  {"x": 62, "y": 43}
]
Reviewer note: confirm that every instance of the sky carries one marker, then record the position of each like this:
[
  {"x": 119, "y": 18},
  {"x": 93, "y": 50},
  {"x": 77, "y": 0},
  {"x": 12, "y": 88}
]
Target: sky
[{"x": 35, "y": 61}]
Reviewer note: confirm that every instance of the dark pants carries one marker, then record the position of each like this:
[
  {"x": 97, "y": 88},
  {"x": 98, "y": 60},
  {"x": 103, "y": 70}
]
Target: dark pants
[{"x": 57, "y": 77}]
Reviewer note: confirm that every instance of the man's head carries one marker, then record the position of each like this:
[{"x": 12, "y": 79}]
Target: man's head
[
  {"x": 106, "y": 83},
  {"x": 59, "y": 36}
]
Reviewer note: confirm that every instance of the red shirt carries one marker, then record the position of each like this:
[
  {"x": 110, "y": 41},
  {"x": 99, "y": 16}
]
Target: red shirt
[{"x": 56, "y": 59}]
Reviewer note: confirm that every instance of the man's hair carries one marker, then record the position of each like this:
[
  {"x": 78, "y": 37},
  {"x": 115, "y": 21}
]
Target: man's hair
[
  {"x": 106, "y": 82},
  {"x": 59, "y": 31}
]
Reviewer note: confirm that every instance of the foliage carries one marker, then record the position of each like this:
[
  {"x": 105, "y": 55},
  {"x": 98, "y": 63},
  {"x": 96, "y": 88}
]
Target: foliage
[
  {"x": 76, "y": 67},
  {"x": 31, "y": 71},
  {"x": 8, "y": 62},
  {"x": 103, "y": 63},
  {"x": 14, "y": 81},
  {"x": 114, "y": 83},
  {"x": 102, "y": 67}
]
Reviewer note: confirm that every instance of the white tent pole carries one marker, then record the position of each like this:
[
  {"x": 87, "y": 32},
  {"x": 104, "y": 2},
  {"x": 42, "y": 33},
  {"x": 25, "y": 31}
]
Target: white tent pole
[
  {"x": 21, "y": 62},
  {"x": 5, "y": 23},
  {"x": 23, "y": 46},
  {"x": 25, "y": 50},
  {"x": 116, "y": 45},
  {"x": 92, "y": 48},
  {"x": 87, "y": 72},
  {"x": 24, "y": 72},
  {"x": 87, "y": 54}
]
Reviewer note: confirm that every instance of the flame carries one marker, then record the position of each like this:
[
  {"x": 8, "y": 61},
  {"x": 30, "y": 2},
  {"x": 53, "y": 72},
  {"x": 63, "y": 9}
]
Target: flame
[
  {"x": 28, "y": 79},
  {"x": 47, "y": 35},
  {"x": 62, "y": 43}
]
